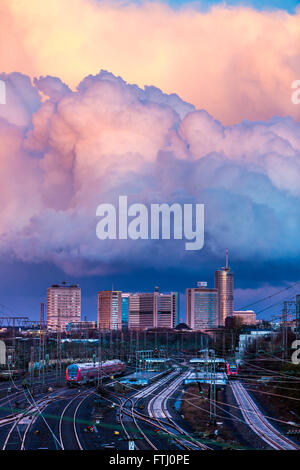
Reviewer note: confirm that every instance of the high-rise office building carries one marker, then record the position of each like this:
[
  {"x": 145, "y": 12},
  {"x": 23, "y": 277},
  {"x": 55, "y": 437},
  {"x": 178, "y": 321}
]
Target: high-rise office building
[
  {"x": 142, "y": 313},
  {"x": 202, "y": 307},
  {"x": 137, "y": 311},
  {"x": 175, "y": 307},
  {"x": 110, "y": 310},
  {"x": 167, "y": 307},
  {"x": 153, "y": 310},
  {"x": 125, "y": 310},
  {"x": 224, "y": 283},
  {"x": 63, "y": 305}
]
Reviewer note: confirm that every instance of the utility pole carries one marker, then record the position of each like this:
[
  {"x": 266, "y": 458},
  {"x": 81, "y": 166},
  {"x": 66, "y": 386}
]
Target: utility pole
[
  {"x": 137, "y": 340},
  {"x": 297, "y": 316},
  {"x": 130, "y": 347},
  {"x": 13, "y": 342},
  {"x": 167, "y": 350},
  {"x": 212, "y": 401},
  {"x": 121, "y": 345},
  {"x": 99, "y": 357},
  {"x": 86, "y": 335},
  {"x": 42, "y": 346},
  {"x": 31, "y": 365},
  {"x": 110, "y": 344},
  {"x": 284, "y": 330},
  {"x": 58, "y": 350}
]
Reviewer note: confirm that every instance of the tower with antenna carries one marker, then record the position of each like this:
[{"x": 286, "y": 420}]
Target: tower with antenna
[{"x": 224, "y": 282}]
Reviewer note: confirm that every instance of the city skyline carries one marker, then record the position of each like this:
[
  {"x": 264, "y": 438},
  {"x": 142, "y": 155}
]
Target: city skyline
[
  {"x": 206, "y": 307},
  {"x": 218, "y": 312},
  {"x": 90, "y": 289}
]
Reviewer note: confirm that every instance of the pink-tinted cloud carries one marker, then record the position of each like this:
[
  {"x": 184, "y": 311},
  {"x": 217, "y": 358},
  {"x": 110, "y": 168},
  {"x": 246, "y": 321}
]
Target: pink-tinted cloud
[
  {"x": 109, "y": 138},
  {"x": 237, "y": 63}
]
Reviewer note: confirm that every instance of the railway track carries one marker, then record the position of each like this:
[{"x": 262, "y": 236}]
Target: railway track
[
  {"x": 18, "y": 395},
  {"x": 15, "y": 412},
  {"x": 25, "y": 418},
  {"x": 74, "y": 419},
  {"x": 22, "y": 422},
  {"x": 157, "y": 408},
  {"x": 131, "y": 414},
  {"x": 127, "y": 410},
  {"x": 80, "y": 397},
  {"x": 123, "y": 410},
  {"x": 66, "y": 439},
  {"x": 76, "y": 402},
  {"x": 5, "y": 404},
  {"x": 180, "y": 436},
  {"x": 258, "y": 423}
]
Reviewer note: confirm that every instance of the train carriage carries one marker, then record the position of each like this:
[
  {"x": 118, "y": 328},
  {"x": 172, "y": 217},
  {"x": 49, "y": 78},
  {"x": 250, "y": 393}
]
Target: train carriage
[{"x": 89, "y": 372}]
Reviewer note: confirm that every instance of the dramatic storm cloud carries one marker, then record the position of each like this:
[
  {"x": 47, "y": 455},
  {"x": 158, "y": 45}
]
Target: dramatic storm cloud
[
  {"x": 235, "y": 62},
  {"x": 64, "y": 152}
]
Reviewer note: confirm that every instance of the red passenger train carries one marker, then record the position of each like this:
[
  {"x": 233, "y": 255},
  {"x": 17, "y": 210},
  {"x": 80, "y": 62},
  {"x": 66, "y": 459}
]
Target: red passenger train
[
  {"x": 232, "y": 368},
  {"x": 90, "y": 372}
]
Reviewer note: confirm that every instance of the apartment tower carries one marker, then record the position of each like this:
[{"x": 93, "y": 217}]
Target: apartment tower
[{"x": 63, "y": 305}]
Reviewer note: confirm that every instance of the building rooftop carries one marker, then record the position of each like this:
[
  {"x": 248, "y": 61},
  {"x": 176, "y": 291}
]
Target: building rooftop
[
  {"x": 65, "y": 285},
  {"x": 182, "y": 326}
]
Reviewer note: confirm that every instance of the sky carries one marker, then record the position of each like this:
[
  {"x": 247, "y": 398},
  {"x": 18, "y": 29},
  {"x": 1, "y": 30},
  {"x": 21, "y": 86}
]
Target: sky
[
  {"x": 288, "y": 5},
  {"x": 165, "y": 102}
]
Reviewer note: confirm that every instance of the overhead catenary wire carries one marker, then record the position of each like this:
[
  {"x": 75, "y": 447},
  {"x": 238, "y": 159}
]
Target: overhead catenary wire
[{"x": 271, "y": 296}]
